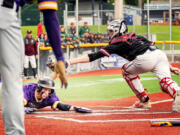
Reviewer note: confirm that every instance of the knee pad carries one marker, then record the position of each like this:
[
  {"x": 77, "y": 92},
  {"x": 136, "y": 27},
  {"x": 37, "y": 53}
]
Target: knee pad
[{"x": 169, "y": 86}]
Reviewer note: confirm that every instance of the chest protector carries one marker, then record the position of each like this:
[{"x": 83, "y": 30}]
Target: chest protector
[{"x": 131, "y": 38}]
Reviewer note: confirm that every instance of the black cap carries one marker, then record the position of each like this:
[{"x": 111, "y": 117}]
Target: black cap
[{"x": 29, "y": 31}]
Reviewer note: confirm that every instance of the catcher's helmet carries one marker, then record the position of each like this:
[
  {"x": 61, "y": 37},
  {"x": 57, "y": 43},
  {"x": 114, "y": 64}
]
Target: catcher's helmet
[
  {"x": 50, "y": 64},
  {"x": 118, "y": 27},
  {"x": 46, "y": 83}
]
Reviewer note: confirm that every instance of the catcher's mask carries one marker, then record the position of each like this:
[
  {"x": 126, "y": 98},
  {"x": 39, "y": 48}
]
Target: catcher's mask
[
  {"x": 50, "y": 64},
  {"x": 118, "y": 27},
  {"x": 46, "y": 83}
]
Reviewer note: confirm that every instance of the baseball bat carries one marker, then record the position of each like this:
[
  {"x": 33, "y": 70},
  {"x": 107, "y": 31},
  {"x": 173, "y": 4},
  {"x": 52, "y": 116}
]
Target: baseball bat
[{"x": 165, "y": 123}]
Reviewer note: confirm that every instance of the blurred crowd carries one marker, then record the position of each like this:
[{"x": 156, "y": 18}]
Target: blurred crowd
[{"x": 69, "y": 37}]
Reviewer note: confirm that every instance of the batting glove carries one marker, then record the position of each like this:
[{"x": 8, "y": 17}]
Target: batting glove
[
  {"x": 82, "y": 110},
  {"x": 29, "y": 110}
]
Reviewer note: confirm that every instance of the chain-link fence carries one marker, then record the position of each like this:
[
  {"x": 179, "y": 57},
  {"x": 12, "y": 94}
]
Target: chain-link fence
[
  {"x": 136, "y": 18},
  {"x": 30, "y": 16}
]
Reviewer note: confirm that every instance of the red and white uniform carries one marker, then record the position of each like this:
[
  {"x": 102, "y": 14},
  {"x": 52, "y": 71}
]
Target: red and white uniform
[{"x": 143, "y": 57}]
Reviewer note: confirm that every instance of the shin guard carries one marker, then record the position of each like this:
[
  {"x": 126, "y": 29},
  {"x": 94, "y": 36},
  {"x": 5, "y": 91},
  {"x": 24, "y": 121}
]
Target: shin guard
[
  {"x": 135, "y": 84},
  {"x": 169, "y": 86}
]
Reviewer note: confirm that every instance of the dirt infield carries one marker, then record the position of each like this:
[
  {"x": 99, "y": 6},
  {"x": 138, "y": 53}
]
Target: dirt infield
[{"x": 110, "y": 117}]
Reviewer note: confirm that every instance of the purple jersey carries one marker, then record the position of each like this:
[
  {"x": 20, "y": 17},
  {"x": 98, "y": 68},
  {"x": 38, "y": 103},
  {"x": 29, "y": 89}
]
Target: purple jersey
[{"x": 29, "y": 95}]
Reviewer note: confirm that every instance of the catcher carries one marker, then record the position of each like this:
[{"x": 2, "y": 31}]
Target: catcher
[
  {"x": 42, "y": 94},
  {"x": 143, "y": 57}
]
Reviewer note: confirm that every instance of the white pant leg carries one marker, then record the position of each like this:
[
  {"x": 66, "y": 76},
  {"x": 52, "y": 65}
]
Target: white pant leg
[
  {"x": 156, "y": 62},
  {"x": 11, "y": 64},
  {"x": 26, "y": 61},
  {"x": 161, "y": 69},
  {"x": 142, "y": 64},
  {"x": 32, "y": 60}
]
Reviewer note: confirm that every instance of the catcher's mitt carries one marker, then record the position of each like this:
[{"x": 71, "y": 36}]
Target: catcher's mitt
[{"x": 29, "y": 110}]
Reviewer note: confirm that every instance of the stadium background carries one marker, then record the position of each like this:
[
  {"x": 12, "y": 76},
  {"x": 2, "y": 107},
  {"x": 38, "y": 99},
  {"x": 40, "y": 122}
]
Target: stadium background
[{"x": 90, "y": 84}]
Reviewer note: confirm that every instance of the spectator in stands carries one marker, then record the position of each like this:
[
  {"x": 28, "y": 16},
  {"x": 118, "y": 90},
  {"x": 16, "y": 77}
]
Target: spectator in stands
[
  {"x": 106, "y": 38},
  {"x": 65, "y": 38},
  {"x": 92, "y": 39},
  {"x": 98, "y": 39},
  {"x": 95, "y": 38},
  {"x": 72, "y": 30},
  {"x": 85, "y": 38},
  {"x": 30, "y": 54},
  {"x": 41, "y": 40},
  {"x": 84, "y": 29},
  {"x": 75, "y": 41},
  {"x": 46, "y": 40},
  {"x": 44, "y": 54}
]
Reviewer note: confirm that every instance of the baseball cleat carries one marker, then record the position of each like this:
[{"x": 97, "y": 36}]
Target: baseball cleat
[
  {"x": 139, "y": 104},
  {"x": 176, "y": 102}
]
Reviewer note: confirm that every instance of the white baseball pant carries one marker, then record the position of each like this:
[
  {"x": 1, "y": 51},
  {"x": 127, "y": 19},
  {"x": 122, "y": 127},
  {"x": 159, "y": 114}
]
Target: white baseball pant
[
  {"x": 11, "y": 65},
  {"x": 151, "y": 61},
  {"x": 30, "y": 59}
]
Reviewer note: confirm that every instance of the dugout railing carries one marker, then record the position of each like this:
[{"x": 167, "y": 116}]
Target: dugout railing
[{"x": 171, "y": 48}]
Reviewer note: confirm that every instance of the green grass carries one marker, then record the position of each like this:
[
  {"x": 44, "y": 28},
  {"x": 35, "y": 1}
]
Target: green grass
[
  {"x": 162, "y": 32},
  {"x": 104, "y": 87}
]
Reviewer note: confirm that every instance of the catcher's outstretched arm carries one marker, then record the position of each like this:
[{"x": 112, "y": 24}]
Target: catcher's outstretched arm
[
  {"x": 88, "y": 58},
  {"x": 83, "y": 59}
]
